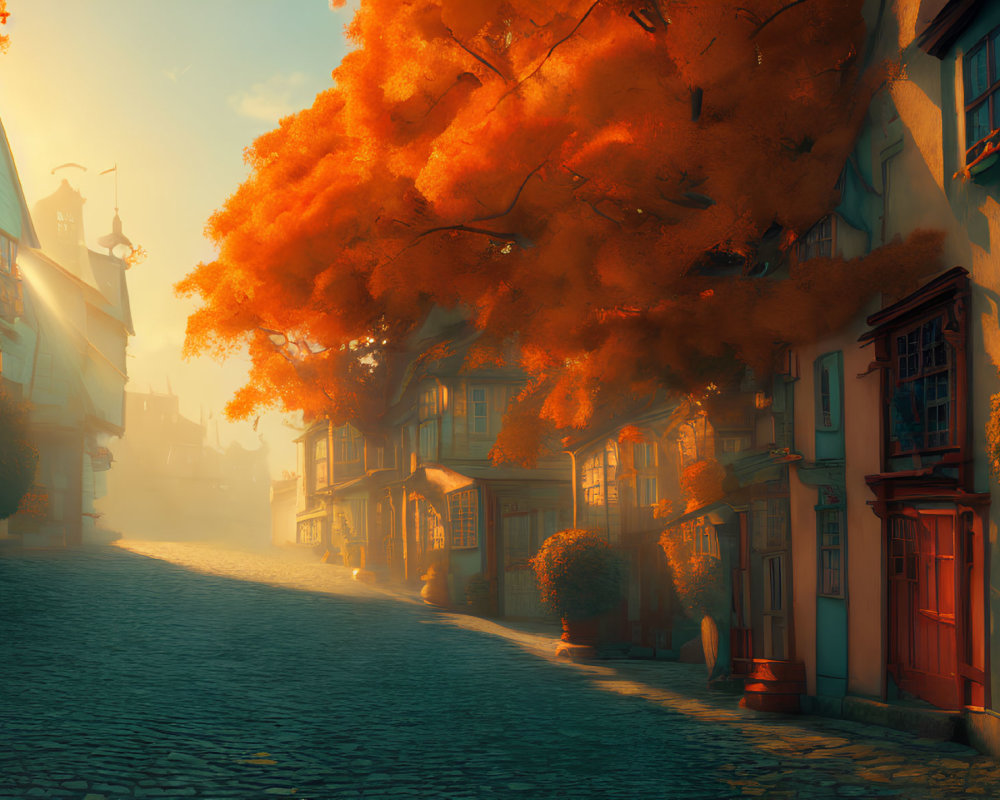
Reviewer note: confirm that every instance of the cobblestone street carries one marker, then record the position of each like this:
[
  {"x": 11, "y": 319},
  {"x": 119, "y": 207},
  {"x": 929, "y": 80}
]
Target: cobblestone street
[{"x": 124, "y": 675}]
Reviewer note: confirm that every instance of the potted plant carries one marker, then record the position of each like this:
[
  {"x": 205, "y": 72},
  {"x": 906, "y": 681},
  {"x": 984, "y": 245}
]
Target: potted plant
[
  {"x": 701, "y": 590},
  {"x": 580, "y": 577}
]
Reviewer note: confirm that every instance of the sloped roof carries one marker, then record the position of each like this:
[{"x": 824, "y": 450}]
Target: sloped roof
[
  {"x": 947, "y": 25},
  {"x": 15, "y": 220}
]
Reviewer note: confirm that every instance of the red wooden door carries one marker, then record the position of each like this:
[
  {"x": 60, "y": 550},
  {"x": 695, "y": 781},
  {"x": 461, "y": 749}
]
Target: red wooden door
[{"x": 922, "y": 635}]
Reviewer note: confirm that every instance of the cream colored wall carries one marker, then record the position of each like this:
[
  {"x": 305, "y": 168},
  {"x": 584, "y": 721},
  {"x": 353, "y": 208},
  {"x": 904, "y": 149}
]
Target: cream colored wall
[
  {"x": 929, "y": 195},
  {"x": 865, "y": 565},
  {"x": 864, "y": 578}
]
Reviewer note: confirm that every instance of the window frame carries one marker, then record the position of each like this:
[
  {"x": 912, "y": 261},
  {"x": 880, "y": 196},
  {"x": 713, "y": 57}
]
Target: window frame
[
  {"x": 645, "y": 467},
  {"x": 347, "y": 441},
  {"x": 321, "y": 477},
  {"x": 832, "y": 365},
  {"x": 822, "y": 511},
  {"x": 807, "y": 242},
  {"x": 473, "y": 416},
  {"x": 988, "y": 97},
  {"x": 463, "y": 515},
  {"x": 8, "y": 254},
  {"x": 916, "y": 327},
  {"x": 429, "y": 429},
  {"x": 430, "y": 402}
]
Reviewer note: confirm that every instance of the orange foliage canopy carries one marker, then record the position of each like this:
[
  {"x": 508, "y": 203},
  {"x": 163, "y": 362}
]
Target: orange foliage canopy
[
  {"x": 4, "y": 38},
  {"x": 557, "y": 169}
]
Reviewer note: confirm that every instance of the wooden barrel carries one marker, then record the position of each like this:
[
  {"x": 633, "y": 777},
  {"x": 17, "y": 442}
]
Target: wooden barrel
[{"x": 775, "y": 686}]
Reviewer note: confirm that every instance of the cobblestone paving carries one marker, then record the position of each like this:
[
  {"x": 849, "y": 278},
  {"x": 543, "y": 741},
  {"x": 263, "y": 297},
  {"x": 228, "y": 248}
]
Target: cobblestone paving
[{"x": 124, "y": 676}]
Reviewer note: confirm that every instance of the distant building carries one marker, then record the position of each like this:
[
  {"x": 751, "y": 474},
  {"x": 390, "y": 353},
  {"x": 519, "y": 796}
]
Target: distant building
[
  {"x": 283, "y": 493},
  {"x": 170, "y": 484}
]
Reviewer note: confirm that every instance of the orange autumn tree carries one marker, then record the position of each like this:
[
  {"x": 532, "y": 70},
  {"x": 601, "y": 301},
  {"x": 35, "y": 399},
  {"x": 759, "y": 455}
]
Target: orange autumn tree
[
  {"x": 4, "y": 38},
  {"x": 563, "y": 172}
]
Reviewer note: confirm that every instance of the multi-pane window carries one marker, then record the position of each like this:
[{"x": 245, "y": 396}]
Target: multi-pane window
[
  {"x": 599, "y": 481},
  {"x": 981, "y": 68},
  {"x": 347, "y": 445},
  {"x": 428, "y": 443},
  {"x": 428, "y": 430},
  {"x": 828, "y": 392},
  {"x": 818, "y": 241},
  {"x": 464, "y": 509},
  {"x": 696, "y": 440},
  {"x": 903, "y": 547},
  {"x": 478, "y": 410},
  {"x": 921, "y": 400},
  {"x": 429, "y": 406},
  {"x": 8, "y": 251},
  {"x": 593, "y": 480},
  {"x": 320, "y": 463},
  {"x": 310, "y": 531},
  {"x": 433, "y": 528},
  {"x": 825, "y": 408},
  {"x": 65, "y": 224},
  {"x": 777, "y": 522},
  {"x": 831, "y": 551},
  {"x": 644, "y": 462},
  {"x": 706, "y": 540},
  {"x": 702, "y": 535}
]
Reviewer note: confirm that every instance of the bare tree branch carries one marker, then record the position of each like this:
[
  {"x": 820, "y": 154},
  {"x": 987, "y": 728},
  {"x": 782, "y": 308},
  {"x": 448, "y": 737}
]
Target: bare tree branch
[
  {"x": 478, "y": 57},
  {"x": 768, "y": 21},
  {"x": 596, "y": 210},
  {"x": 659, "y": 13},
  {"x": 643, "y": 23},
  {"x": 501, "y": 235},
  {"x": 565, "y": 38},
  {"x": 513, "y": 202}
]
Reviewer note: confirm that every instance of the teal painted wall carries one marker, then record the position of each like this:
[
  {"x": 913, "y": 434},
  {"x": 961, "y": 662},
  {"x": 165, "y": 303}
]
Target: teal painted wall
[{"x": 831, "y": 646}]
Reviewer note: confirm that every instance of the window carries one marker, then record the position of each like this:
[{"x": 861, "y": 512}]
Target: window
[
  {"x": 428, "y": 444},
  {"x": 831, "y": 551},
  {"x": 320, "y": 464},
  {"x": 981, "y": 71},
  {"x": 701, "y": 533},
  {"x": 644, "y": 462},
  {"x": 696, "y": 440},
  {"x": 347, "y": 445},
  {"x": 600, "y": 472},
  {"x": 8, "y": 254},
  {"x": 828, "y": 392},
  {"x": 431, "y": 529},
  {"x": 478, "y": 410},
  {"x": 902, "y": 547},
  {"x": 732, "y": 445},
  {"x": 464, "y": 509},
  {"x": 818, "y": 241},
  {"x": 65, "y": 223},
  {"x": 429, "y": 406},
  {"x": 310, "y": 531},
  {"x": 777, "y": 522},
  {"x": 920, "y": 406}
]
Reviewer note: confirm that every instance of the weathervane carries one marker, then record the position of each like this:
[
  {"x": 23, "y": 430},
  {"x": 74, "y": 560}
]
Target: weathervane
[{"x": 116, "y": 237}]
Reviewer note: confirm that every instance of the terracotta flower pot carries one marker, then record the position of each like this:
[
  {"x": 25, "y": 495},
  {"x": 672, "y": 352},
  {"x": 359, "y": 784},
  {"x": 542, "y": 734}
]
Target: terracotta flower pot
[{"x": 581, "y": 631}]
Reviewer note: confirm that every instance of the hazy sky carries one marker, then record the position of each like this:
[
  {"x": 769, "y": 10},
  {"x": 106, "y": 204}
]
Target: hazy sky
[{"x": 172, "y": 92}]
